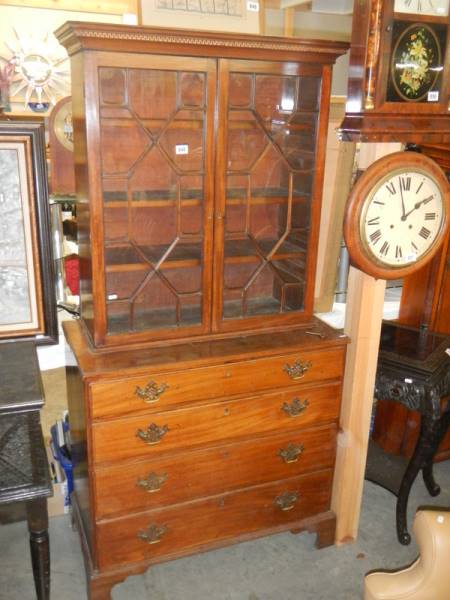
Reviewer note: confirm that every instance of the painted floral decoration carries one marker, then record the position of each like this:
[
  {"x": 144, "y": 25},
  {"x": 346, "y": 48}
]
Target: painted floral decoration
[{"x": 415, "y": 62}]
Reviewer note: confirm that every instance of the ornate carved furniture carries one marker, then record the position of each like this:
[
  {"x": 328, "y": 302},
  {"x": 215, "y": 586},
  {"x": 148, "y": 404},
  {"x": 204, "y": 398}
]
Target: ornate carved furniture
[
  {"x": 24, "y": 471},
  {"x": 413, "y": 370},
  {"x": 425, "y": 302},
  {"x": 205, "y": 401}
]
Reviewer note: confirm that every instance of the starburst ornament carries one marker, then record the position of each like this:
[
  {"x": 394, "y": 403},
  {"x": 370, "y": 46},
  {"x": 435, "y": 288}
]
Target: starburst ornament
[{"x": 41, "y": 68}]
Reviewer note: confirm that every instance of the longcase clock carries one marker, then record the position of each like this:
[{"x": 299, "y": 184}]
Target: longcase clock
[{"x": 399, "y": 72}]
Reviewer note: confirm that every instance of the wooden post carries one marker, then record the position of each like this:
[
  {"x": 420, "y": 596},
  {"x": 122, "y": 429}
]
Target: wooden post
[
  {"x": 262, "y": 17},
  {"x": 289, "y": 18},
  {"x": 364, "y": 313}
]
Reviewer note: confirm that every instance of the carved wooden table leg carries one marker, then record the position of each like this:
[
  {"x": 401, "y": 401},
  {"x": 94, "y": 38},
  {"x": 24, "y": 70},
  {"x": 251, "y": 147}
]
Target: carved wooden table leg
[
  {"x": 37, "y": 517},
  {"x": 422, "y": 458},
  {"x": 428, "y": 477}
]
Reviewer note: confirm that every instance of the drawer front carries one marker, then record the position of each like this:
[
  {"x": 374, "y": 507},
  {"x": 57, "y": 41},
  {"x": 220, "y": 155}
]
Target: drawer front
[
  {"x": 191, "y": 475},
  {"x": 159, "y": 391},
  {"x": 187, "y": 428},
  {"x": 186, "y": 528}
]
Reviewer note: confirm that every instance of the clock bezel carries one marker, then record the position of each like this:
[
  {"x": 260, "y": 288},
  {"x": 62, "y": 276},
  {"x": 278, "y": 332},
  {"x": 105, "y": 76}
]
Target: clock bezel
[{"x": 362, "y": 192}]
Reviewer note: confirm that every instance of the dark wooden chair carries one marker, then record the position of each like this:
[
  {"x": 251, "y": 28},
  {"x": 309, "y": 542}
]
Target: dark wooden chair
[{"x": 24, "y": 471}]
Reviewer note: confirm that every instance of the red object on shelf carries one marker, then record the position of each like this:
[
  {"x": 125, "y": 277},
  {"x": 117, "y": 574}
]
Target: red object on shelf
[{"x": 72, "y": 271}]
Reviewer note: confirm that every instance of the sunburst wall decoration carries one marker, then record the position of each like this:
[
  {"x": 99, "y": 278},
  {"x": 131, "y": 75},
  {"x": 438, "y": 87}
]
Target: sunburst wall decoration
[{"x": 41, "y": 69}]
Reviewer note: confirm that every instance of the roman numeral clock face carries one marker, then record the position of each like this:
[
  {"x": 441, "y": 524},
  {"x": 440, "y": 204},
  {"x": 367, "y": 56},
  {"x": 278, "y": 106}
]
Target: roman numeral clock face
[
  {"x": 397, "y": 215},
  {"x": 422, "y": 7},
  {"x": 402, "y": 218}
]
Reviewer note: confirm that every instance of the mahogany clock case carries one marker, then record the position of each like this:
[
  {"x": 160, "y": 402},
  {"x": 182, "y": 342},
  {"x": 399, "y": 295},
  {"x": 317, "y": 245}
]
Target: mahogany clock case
[{"x": 399, "y": 80}]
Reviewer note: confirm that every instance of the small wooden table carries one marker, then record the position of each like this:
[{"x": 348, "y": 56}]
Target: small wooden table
[
  {"x": 24, "y": 472},
  {"x": 413, "y": 369}
]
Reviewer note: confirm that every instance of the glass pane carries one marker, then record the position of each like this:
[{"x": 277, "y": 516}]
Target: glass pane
[
  {"x": 112, "y": 86},
  {"x": 153, "y": 193},
  {"x": 240, "y": 90},
  {"x": 192, "y": 89},
  {"x": 161, "y": 87},
  {"x": 272, "y": 128}
]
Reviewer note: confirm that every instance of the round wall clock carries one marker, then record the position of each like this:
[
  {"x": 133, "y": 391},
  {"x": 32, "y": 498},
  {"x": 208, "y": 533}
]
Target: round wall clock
[
  {"x": 62, "y": 164},
  {"x": 397, "y": 215},
  {"x": 62, "y": 123}
]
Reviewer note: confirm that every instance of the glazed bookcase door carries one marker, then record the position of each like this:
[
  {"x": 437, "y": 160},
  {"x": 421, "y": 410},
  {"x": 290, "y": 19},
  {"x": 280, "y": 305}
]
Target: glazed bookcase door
[
  {"x": 155, "y": 118},
  {"x": 268, "y": 192}
]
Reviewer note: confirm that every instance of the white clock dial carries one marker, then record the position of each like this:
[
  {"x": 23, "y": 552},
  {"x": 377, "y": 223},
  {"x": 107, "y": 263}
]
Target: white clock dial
[
  {"x": 423, "y": 7},
  {"x": 402, "y": 218}
]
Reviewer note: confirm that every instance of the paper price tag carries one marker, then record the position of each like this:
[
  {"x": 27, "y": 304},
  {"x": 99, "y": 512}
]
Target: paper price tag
[
  {"x": 253, "y": 6},
  {"x": 433, "y": 96},
  {"x": 181, "y": 149}
]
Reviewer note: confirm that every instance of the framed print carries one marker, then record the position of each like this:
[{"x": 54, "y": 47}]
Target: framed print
[{"x": 27, "y": 282}]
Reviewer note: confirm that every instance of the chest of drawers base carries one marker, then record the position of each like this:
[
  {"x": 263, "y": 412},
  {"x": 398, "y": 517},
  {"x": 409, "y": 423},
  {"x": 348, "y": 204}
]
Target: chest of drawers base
[
  {"x": 184, "y": 449},
  {"x": 101, "y": 581}
]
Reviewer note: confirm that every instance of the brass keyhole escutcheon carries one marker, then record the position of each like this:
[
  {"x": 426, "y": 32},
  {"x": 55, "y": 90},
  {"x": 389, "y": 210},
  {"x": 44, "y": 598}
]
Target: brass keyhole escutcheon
[{"x": 226, "y": 411}]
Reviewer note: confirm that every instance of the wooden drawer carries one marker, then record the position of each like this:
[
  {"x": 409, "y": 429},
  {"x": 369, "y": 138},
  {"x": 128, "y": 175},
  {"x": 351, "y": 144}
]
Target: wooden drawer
[
  {"x": 163, "y": 390},
  {"x": 190, "y": 475},
  {"x": 189, "y": 527},
  {"x": 192, "y": 427}
]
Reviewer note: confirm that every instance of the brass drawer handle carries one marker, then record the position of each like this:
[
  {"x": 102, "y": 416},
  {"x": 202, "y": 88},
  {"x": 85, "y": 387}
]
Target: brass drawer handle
[
  {"x": 153, "y": 435},
  {"x": 287, "y": 500},
  {"x": 296, "y": 407},
  {"x": 151, "y": 392},
  {"x": 153, "y": 534},
  {"x": 291, "y": 453},
  {"x": 152, "y": 483},
  {"x": 298, "y": 369}
]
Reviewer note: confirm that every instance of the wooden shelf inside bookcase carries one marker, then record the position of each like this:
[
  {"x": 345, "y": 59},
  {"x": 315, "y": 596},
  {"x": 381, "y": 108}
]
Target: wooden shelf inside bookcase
[
  {"x": 157, "y": 203},
  {"x": 124, "y": 258},
  {"x": 244, "y": 251}
]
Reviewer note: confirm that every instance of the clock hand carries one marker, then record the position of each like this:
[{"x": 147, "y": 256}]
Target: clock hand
[
  {"x": 401, "y": 194},
  {"x": 416, "y": 206}
]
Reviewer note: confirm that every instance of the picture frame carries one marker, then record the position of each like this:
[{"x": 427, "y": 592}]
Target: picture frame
[{"x": 27, "y": 275}]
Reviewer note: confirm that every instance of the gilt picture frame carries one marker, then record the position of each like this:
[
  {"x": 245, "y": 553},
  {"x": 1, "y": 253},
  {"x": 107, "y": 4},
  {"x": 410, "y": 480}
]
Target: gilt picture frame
[{"x": 27, "y": 276}]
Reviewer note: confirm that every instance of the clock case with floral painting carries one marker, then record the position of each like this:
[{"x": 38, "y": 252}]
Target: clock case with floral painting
[{"x": 399, "y": 77}]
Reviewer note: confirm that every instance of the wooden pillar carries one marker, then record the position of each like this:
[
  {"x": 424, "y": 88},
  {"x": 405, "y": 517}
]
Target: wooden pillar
[
  {"x": 289, "y": 18},
  {"x": 364, "y": 313},
  {"x": 262, "y": 17}
]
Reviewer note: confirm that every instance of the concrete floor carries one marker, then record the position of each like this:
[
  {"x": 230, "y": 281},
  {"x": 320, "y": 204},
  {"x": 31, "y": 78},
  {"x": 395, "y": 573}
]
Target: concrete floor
[{"x": 279, "y": 567}]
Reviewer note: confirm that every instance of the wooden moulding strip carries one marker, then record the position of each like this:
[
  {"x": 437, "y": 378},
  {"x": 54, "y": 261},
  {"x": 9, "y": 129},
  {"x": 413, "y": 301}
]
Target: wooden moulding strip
[{"x": 111, "y": 7}]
